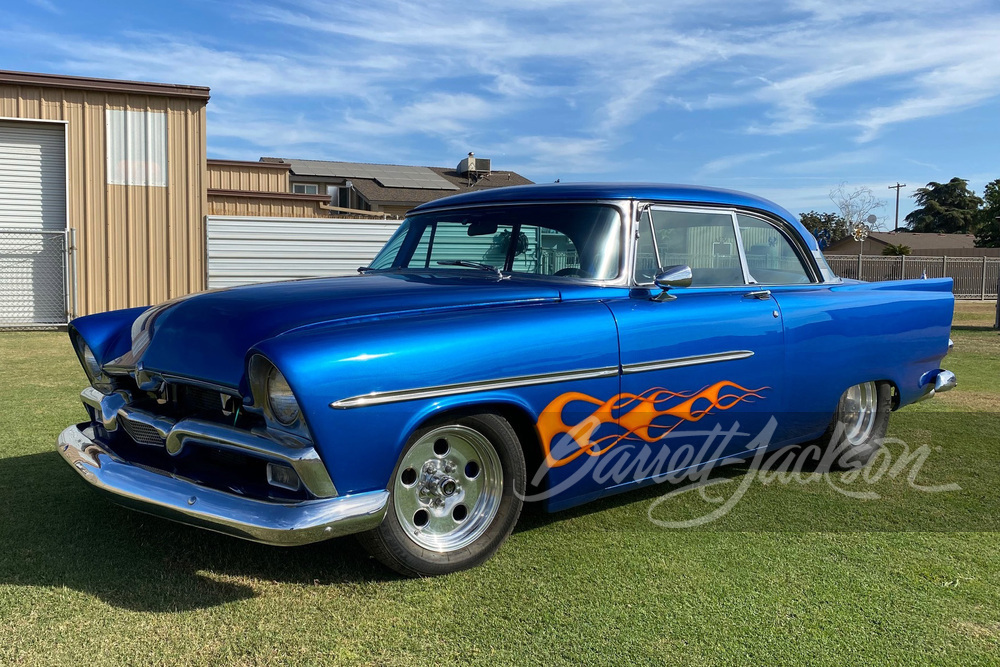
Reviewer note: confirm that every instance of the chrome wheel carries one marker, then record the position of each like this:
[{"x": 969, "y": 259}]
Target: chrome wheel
[
  {"x": 448, "y": 488},
  {"x": 859, "y": 408}
]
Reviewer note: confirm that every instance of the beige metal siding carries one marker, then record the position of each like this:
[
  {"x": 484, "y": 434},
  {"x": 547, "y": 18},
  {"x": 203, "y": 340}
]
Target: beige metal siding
[
  {"x": 264, "y": 207},
  {"x": 136, "y": 245},
  {"x": 247, "y": 176}
]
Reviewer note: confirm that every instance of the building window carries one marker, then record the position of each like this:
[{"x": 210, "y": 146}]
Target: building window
[
  {"x": 137, "y": 147},
  {"x": 339, "y": 195},
  {"x": 305, "y": 188}
]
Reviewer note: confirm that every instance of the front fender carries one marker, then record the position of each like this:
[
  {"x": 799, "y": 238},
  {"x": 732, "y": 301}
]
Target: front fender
[
  {"x": 360, "y": 445},
  {"x": 108, "y": 334}
]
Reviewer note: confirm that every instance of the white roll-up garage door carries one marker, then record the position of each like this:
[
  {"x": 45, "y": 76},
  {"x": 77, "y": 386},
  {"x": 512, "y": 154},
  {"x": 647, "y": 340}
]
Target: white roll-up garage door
[
  {"x": 32, "y": 223},
  {"x": 244, "y": 250}
]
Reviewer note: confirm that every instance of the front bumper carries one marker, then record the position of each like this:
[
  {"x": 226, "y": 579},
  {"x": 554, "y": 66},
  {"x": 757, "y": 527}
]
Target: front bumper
[{"x": 282, "y": 524}]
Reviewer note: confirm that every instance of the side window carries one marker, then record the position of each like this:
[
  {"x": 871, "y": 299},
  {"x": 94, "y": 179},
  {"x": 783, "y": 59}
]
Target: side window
[
  {"x": 771, "y": 258},
  {"x": 704, "y": 241},
  {"x": 646, "y": 264}
]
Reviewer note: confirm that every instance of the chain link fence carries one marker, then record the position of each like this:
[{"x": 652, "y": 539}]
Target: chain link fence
[
  {"x": 34, "y": 278},
  {"x": 974, "y": 277}
]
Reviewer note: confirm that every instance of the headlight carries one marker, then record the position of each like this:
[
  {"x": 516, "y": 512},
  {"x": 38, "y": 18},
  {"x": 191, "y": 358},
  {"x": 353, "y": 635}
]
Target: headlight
[
  {"x": 90, "y": 363},
  {"x": 98, "y": 380},
  {"x": 280, "y": 398}
]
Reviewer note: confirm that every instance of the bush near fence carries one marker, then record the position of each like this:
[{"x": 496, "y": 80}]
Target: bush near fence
[{"x": 974, "y": 277}]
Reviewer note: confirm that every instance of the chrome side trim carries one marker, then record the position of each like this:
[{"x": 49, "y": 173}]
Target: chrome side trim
[
  {"x": 284, "y": 524},
  {"x": 400, "y": 395},
  {"x": 686, "y": 361}
]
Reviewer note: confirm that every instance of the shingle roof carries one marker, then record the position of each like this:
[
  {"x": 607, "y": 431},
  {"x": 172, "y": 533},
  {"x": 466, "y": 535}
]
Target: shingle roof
[
  {"x": 400, "y": 184},
  {"x": 919, "y": 240}
]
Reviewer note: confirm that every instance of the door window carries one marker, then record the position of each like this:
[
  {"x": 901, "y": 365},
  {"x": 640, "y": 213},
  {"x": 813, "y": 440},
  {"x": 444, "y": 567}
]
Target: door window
[
  {"x": 771, "y": 258},
  {"x": 704, "y": 241}
]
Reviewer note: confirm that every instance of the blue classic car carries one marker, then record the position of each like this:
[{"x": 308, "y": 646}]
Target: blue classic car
[{"x": 556, "y": 343}]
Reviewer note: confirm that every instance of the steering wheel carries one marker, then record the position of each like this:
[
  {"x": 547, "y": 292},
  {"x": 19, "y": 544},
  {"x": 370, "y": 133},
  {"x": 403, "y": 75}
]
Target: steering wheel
[{"x": 573, "y": 271}]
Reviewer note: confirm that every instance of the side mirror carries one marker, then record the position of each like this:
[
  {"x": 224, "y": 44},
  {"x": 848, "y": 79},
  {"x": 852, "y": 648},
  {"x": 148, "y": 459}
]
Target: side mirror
[{"x": 672, "y": 276}]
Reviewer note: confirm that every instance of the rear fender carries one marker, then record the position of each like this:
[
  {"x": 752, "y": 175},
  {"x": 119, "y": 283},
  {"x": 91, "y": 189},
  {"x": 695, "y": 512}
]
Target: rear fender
[{"x": 846, "y": 334}]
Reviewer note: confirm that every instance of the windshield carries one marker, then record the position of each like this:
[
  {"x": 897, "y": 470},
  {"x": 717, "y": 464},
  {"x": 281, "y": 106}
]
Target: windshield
[{"x": 577, "y": 240}]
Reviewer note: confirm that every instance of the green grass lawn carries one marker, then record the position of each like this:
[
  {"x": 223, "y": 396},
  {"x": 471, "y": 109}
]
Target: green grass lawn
[{"x": 794, "y": 574}]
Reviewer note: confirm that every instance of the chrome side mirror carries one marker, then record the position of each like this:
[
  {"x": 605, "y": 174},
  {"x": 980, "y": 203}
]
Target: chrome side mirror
[{"x": 672, "y": 276}]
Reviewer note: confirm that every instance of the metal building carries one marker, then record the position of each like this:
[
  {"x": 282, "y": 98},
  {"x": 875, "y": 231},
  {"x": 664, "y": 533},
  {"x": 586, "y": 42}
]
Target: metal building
[
  {"x": 102, "y": 195},
  {"x": 243, "y": 250}
]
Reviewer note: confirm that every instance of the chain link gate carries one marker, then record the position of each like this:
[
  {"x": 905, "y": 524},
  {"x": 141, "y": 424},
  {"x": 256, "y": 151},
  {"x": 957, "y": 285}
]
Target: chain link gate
[{"x": 36, "y": 278}]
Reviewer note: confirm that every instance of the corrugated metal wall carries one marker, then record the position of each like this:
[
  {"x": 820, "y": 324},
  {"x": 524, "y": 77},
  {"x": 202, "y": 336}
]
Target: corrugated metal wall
[
  {"x": 268, "y": 177},
  {"x": 266, "y": 207},
  {"x": 136, "y": 244},
  {"x": 244, "y": 250}
]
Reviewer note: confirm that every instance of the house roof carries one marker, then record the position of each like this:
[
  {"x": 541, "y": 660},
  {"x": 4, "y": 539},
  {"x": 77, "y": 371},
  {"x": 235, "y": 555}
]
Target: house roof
[
  {"x": 918, "y": 240},
  {"x": 402, "y": 185},
  {"x": 103, "y": 85}
]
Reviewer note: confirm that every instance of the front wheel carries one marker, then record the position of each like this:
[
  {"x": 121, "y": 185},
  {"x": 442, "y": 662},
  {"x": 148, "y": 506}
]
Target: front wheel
[
  {"x": 454, "y": 497},
  {"x": 859, "y": 426}
]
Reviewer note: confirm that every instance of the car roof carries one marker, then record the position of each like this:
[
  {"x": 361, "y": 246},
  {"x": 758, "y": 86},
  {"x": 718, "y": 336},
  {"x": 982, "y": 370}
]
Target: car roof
[{"x": 665, "y": 192}]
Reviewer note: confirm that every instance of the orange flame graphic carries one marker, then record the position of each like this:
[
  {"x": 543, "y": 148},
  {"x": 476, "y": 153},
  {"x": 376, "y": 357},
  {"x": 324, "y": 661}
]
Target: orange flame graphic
[{"x": 639, "y": 422}]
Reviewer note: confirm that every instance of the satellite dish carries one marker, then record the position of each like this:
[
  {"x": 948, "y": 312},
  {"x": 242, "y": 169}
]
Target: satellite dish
[{"x": 872, "y": 219}]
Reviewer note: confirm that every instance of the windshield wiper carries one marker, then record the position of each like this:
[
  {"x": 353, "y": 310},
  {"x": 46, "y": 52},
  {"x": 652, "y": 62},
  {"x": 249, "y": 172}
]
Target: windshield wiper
[{"x": 471, "y": 265}]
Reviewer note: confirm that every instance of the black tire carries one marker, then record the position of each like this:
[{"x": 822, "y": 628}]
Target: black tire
[
  {"x": 840, "y": 451},
  {"x": 391, "y": 544}
]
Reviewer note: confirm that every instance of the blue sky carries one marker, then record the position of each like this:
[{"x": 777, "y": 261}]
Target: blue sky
[{"x": 783, "y": 99}]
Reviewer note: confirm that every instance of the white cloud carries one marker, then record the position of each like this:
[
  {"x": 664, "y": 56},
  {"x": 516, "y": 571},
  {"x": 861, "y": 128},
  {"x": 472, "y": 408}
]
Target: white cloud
[
  {"x": 729, "y": 162},
  {"x": 573, "y": 78}
]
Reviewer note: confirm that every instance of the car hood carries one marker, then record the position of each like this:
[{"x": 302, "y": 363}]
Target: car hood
[{"x": 207, "y": 336}]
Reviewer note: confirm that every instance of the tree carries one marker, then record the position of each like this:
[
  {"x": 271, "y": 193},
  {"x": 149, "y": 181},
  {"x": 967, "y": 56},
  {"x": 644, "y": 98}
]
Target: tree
[
  {"x": 856, "y": 205},
  {"x": 950, "y": 208},
  {"x": 828, "y": 228},
  {"x": 988, "y": 234},
  {"x": 897, "y": 250}
]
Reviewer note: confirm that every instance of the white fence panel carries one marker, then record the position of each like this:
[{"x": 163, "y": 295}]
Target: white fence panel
[
  {"x": 974, "y": 277},
  {"x": 243, "y": 250}
]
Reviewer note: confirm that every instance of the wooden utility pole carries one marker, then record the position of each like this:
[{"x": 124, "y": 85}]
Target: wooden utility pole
[{"x": 897, "y": 188}]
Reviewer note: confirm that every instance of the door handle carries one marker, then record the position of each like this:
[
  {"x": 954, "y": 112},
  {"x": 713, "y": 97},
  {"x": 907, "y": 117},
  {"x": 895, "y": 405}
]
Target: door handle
[{"x": 763, "y": 294}]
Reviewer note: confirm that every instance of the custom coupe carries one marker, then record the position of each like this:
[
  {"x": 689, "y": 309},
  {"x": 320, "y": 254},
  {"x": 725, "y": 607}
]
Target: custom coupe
[{"x": 556, "y": 343}]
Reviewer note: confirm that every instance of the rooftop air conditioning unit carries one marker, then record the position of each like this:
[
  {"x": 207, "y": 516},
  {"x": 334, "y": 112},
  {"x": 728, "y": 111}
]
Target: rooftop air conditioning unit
[{"x": 473, "y": 165}]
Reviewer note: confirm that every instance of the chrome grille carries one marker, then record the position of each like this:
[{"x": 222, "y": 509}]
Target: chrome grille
[
  {"x": 143, "y": 434},
  {"x": 201, "y": 400}
]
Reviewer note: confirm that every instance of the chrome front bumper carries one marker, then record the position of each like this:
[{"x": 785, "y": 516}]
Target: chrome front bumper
[{"x": 283, "y": 524}]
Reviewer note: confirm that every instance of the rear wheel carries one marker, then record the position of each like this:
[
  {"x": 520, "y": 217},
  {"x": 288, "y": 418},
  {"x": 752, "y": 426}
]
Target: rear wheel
[
  {"x": 454, "y": 497},
  {"x": 859, "y": 426}
]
